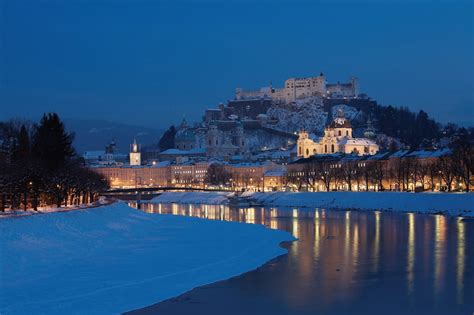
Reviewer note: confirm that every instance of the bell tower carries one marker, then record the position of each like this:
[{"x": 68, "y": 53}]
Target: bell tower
[{"x": 135, "y": 155}]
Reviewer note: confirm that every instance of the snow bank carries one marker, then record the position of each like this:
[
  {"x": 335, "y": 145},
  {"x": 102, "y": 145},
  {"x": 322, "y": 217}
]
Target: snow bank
[
  {"x": 113, "y": 259},
  {"x": 452, "y": 203},
  {"x": 194, "y": 197},
  {"x": 8, "y": 213}
]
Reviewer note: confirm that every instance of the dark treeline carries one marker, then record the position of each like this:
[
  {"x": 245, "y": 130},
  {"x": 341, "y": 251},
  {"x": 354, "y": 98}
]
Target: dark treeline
[
  {"x": 410, "y": 128},
  {"x": 39, "y": 167}
]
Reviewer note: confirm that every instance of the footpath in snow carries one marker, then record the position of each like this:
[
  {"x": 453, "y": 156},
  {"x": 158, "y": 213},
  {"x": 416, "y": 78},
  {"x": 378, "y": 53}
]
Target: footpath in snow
[
  {"x": 114, "y": 259},
  {"x": 448, "y": 203},
  {"x": 194, "y": 197}
]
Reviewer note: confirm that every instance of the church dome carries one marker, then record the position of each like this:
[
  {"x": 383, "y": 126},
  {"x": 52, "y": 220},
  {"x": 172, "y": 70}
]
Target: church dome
[
  {"x": 186, "y": 135},
  {"x": 340, "y": 121}
]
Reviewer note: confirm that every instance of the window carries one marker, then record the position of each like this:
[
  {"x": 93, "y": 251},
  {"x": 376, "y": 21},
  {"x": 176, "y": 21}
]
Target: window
[
  {"x": 339, "y": 132},
  {"x": 325, "y": 148},
  {"x": 300, "y": 150},
  {"x": 332, "y": 148},
  {"x": 307, "y": 152}
]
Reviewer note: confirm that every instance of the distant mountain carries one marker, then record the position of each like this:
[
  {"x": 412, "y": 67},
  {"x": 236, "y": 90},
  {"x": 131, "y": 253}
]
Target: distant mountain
[{"x": 96, "y": 134}]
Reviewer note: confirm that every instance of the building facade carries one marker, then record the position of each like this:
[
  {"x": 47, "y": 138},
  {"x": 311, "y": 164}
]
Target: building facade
[
  {"x": 299, "y": 88},
  {"x": 337, "y": 139}
]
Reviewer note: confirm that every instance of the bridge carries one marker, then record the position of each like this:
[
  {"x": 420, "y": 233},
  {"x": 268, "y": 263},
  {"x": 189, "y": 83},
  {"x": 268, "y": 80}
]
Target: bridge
[{"x": 150, "y": 190}]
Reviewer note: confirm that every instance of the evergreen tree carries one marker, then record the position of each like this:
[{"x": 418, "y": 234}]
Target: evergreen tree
[
  {"x": 22, "y": 150},
  {"x": 52, "y": 145}
]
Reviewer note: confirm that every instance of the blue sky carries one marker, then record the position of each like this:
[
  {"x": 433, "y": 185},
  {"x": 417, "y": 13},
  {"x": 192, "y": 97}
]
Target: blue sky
[{"x": 151, "y": 62}]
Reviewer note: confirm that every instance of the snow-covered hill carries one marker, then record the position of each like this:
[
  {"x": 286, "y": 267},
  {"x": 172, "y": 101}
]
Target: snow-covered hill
[{"x": 306, "y": 113}]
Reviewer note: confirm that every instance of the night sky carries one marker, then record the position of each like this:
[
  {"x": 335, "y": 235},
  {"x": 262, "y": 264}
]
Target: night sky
[{"x": 151, "y": 62}]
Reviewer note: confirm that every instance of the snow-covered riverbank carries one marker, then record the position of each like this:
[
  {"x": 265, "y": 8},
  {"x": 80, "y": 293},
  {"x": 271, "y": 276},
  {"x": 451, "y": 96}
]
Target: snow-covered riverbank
[
  {"x": 113, "y": 259},
  {"x": 194, "y": 197},
  {"x": 447, "y": 203}
]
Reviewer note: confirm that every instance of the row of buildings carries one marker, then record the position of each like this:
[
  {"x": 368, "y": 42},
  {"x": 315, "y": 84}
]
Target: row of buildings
[
  {"x": 255, "y": 176},
  {"x": 419, "y": 170}
]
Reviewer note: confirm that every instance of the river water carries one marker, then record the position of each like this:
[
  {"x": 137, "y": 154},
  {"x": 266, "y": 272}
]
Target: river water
[{"x": 344, "y": 262}]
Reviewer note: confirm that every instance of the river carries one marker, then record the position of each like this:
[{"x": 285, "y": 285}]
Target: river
[{"x": 344, "y": 262}]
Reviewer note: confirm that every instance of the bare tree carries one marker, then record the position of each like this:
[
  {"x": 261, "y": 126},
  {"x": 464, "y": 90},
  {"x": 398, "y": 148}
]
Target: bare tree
[{"x": 447, "y": 170}]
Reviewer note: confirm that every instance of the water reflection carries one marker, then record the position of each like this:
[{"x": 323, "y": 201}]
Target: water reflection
[
  {"x": 460, "y": 260},
  {"x": 376, "y": 251},
  {"x": 356, "y": 260},
  {"x": 439, "y": 253},
  {"x": 411, "y": 252}
]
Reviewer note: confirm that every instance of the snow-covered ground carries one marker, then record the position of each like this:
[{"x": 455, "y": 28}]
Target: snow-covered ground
[
  {"x": 8, "y": 213},
  {"x": 194, "y": 197},
  {"x": 113, "y": 259},
  {"x": 448, "y": 203}
]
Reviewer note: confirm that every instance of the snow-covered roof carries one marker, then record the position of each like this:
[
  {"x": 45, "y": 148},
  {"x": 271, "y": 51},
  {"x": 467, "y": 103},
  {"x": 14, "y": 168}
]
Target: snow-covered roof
[
  {"x": 357, "y": 141},
  {"x": 183, "y": 152},
  {"x": 161, "y": 164},
  {"x": 275, "y": 154},
  {"x": 88, "y": 155},
  {"x": 421, "y": 154},
  {"x": 399, "y": 154},
  {"x": 275, "y": 172}
]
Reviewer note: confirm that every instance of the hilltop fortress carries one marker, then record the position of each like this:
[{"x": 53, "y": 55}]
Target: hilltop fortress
[{"x": 300, "y": 88}]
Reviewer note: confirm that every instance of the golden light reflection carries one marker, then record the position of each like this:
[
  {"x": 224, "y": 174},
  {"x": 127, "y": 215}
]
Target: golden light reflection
[
  {"x": 439, "y": 251},
  {"x": 295, "y": 228},
  {"x": 250, "y": 215},
  {"x": 273, "y": 220},
  {"x": 295, "y": 213},
  {"x": 274, "y": 224},
  {"x": 316, "y": 235},
  {"x": 460, "y": 260},
  {"x": 355, "y": 246},
  {"x": 347, "y": 239},
  {"x": 411, "y": 253},
  {"x": 377, "y": 242}
]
